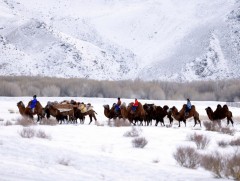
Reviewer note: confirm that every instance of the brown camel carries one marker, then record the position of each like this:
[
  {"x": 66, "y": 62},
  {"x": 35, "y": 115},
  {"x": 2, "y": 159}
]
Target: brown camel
[
  {"x": 125, "y": 112},
  {"x": 26, "y": 111},
  {"x": 51, "y": 110},
  {"x": 160, "y": 113},
  {"x": 138, "y": 115},
  {"x": 87, "y": 110},
  {"x": 180, "y": 116},
  {"x": 219, "y": 114},
  {"x": 110, "y": 113}
]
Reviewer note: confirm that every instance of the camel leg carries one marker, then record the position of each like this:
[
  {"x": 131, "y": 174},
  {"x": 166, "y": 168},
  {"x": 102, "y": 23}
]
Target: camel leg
[
  {"x": 185, "y": 122},
  {"x": 90, "y": 116},
  {"x": 156, "y": 122},
  {"x": 179, "y": 123},
  {"x": 229, "y": 120},
  {"x": 162, "y": 122}
]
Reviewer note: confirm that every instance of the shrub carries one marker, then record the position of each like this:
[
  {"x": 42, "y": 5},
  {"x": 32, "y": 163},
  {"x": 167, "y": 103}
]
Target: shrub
[
  {"x": 187, "y": 157},
  {"x": 156, "y": 160},
  {"x": 233, "y": 167},
  {"x": 121, "y": 122},
  {"x": 63, "y": 161},
  {"x": 223, "y": 143},
  {"x": 50, "y": 122},
  {"x": 222, "y": 166},
  {"x": 235, "y": 142},
  {"x": 139, "y": 142},
  {"x": 42, "y": 134},
  {"x": 214, "y": 126},
  {"x": 135, "y": 132},
  {"x": 25, "y": 122},
  {"x": 8, "y": 123},
  {"x": 211, "y": 126},
  {"x": 27, "y": 133},
  {"x": 215, "y": 163},
  {"x": 200, "y": 140},
  {"x": 227, "y": 131}
]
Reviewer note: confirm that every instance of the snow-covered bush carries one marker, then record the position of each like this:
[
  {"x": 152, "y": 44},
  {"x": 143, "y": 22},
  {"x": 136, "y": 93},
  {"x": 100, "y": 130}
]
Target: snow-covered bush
[
  {"x": 140, "y": 142},
  {"x": 187, "y": 157},
  {"x": 27, "y": 132},
  {"x": 134, "y": 132},
  {"x": 200, "y": 140}
]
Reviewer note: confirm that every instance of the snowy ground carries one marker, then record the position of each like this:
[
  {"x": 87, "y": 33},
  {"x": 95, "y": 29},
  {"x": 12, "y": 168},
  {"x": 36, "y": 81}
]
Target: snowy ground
[{"x": 100, "y": 152}]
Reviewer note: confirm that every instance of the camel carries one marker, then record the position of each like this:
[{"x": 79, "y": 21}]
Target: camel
[
  {"x": 125, "y": 112},
  {"x": 110, "y": 113},
  {"x": 219, "y": 114},
  {"x": 26, "y": 111},
  {"x": 51, "y": 110},
  {"x": 180, "y": 116},
  {"x": 160, "y": 113},
  {"x": 87, "y": 110},
  {"x": 138, "y": 115},
  {"x": 150, "y": 113}
]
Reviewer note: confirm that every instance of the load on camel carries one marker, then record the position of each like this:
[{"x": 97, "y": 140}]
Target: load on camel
[
  {"x": 61, "y": 112},
  {"x": 180, "y": 116},
  {"x": 86, "y": 109},
  {"x": 27, "y": 111},
  {"x": 219, "y": 114}
]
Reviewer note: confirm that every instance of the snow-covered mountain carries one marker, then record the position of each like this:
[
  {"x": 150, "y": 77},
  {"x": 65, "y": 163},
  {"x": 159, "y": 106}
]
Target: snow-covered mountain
[{"x": 121, "y": 39}]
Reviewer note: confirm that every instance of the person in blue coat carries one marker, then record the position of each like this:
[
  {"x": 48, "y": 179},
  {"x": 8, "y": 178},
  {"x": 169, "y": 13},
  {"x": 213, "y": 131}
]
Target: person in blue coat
[
  {"x": 188, "y": 107},
  {"x": 33, "y": 103}
]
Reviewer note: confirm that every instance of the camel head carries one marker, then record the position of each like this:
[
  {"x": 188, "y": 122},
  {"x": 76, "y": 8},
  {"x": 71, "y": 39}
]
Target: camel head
[
  {"x": 209, "y": 113},
  {"x": 106, "y": 106},
  {"x": 166, "y": 108},
  {"x": 20, "y": 104}
]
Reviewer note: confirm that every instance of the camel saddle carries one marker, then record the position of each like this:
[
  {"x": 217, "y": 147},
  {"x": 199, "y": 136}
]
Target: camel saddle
[{"x": 85, "y": 107}]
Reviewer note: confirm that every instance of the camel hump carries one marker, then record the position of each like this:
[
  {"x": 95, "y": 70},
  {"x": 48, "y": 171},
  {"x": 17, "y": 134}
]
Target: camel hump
[{"x": 225, "y": 107}]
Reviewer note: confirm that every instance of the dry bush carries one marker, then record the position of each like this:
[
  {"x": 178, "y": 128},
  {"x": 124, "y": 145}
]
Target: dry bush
[
  {"x": 156, "y": 160},
  {"x": 139, "y": 142},
  {"x": 223, "y": 144},
  {"x": 222, "y": 165},
  {"x": 25, "y": 122},
  {"x": 135, "y": 132},
  {"x": 227, "y": 130},
  {"x": 64, "y": 161},
  {"x": 235, "y": 142},
  {"x": 200, "y": 140},
  {"x": 214, "y": 162},
  {"x": 214, "y": 126},
  {"x": 187, "y": 157},
  {"x": 1, "y": 119},
  {"x": 211, "y": 126},
  {"x": 233, "y": 167},
  {"x": 8, "y": 123},
  {"x": 50, "y": 122},
  {"x": 121, "y": 122},
  {"x": 42, "y": 134},
  {"x": 27, "y": 133}
]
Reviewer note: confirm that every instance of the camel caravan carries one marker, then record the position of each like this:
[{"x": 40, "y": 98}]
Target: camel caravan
[
  {"x": 65, "y": 111},
  {"x": 135, "y": 113}
]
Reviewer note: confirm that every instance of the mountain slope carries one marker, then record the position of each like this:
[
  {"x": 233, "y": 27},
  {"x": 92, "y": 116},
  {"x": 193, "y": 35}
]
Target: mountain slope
[{"x": 113, "y": 39}]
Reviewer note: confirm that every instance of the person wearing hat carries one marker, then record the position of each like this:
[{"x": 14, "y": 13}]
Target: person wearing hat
[
  {"x": 33, "y": 103},
  {"x": 117, "y": 106},
  {"x": 188, "y": 107}
]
